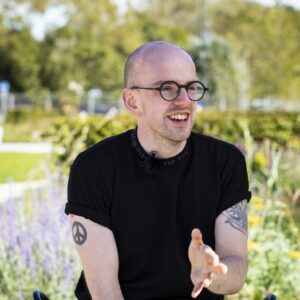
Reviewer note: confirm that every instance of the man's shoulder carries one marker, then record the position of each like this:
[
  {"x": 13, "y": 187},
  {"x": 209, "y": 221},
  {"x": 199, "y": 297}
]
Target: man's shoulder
[
  {"x": 103, "y": 150},
  {"x": 217, "y": 144}
]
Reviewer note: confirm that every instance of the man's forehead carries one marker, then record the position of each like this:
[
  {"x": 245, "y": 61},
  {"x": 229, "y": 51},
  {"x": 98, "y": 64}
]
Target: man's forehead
[
  {"x": 165, "y": 61},
  {"x": 155, "y": 54},
  {"x": 161, "y": 61},
  {"x": 168, "y": 62}
]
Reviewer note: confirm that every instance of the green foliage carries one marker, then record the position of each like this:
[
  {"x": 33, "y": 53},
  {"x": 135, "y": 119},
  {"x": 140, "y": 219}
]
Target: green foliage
[
  {"x": 258, "y": 33},
  {"x": 19, "y": 63},
  {"x": 273, "y": 252},
  {"x": 273, "y": 232},
  {"x": 71, "y": 136},
  {"x": 237, "y": 45},
  {"x": 77, "y": 51},
  {"x": 26, "y": 125},
  {"x": 217, "y": 67},
  {"x": 280, "y": 127},
  {"x": 274, "y": 256},
  {"x": 91, "y": 49},
  {"x": 74, "y": 135},
  {"x": 151, "y": 30},
  {"x": 25, "y": 115},
  {"x": 189, "y": 14}
]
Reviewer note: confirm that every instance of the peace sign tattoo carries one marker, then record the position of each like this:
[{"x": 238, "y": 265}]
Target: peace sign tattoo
[{"x": 79, "y": 233}]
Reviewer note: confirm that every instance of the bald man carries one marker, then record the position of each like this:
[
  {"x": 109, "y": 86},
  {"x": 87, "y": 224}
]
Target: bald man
[{"x": 159, "y": 212}]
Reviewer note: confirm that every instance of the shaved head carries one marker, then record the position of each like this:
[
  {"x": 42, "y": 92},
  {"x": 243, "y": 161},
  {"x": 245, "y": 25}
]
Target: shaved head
[{"x": 145, "y": 53}]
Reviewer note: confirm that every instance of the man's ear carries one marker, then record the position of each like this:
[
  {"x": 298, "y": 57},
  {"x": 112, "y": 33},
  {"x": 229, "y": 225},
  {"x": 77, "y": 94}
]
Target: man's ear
[{"x": 130, "y": 101}]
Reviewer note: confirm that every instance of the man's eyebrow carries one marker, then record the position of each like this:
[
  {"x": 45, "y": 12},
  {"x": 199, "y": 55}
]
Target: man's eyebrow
[{"x": 159, "y": 82}]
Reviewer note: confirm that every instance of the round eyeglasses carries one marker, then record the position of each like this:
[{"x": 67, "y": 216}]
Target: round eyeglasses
[{"x": 170, "y": 90}]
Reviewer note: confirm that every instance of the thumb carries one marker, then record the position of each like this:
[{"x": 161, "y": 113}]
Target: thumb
[
  {"x": 197, "y": 237},
  {"x": 197, "y": 290}
]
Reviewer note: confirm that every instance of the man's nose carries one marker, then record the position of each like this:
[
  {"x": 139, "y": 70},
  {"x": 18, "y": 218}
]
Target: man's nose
[{"x": 183, "y": 97}]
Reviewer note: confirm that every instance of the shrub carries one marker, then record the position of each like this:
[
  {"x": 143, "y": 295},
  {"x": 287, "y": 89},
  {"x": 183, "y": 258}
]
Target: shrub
[
  {"x": 25, "y": 125},
  {"x": 74, "y": 135},
  {"x": 274, "y": 253}
]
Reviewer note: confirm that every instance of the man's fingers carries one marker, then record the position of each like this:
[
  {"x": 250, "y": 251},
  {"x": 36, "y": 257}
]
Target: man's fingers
[
  {"x": 197, "y": 237},
  {"x": 202, "y": 284},
  {"x": 221, "y": 269},
  {"x": 211, "y": 257},
  {"x": 214, "y": 263},
  {"x": 207, "y": 281},
  {"x": 197, "y": 289}
]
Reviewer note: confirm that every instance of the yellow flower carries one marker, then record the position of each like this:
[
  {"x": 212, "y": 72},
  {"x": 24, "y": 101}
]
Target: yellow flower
[
  {"x": 254, "y": 220},
  {"x": 258, "y": 206},
  {"x": 257, "y": 199},
  {"x": 253, "y": 246},
  {"x": 260, "y": 159},
  {"x": 295, "y": 254}
]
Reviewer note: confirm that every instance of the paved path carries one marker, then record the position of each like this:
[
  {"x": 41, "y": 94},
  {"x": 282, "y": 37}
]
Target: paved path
[
  {"x": 26, "y": 147},
  {"x": 16, "y": 189}
]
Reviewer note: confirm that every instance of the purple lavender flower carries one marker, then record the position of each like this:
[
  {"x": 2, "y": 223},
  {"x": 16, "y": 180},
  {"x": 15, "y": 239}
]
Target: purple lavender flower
[{"x": 40, "y": 252}]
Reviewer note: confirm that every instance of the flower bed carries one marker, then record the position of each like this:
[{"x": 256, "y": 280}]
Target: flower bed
[{"x": 36, "y": 248}]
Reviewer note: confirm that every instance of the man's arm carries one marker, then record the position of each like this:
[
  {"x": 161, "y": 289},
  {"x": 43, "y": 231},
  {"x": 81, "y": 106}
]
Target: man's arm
[
  {"x": 97, "y": 249},
  {"x": 224, "y": 270},
  {"x": 231, "y": 229}
]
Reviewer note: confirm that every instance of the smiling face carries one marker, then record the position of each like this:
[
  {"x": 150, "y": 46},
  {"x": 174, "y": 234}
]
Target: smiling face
[{"x": 160, "y": 120}]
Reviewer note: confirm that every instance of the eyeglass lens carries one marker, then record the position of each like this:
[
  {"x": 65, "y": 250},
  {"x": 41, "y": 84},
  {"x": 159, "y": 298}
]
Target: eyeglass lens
[{"x": 170, "y": 90}]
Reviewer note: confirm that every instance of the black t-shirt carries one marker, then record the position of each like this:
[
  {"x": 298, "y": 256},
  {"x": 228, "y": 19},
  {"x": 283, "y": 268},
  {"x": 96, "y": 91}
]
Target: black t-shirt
[{"x": 151, "y": 205}]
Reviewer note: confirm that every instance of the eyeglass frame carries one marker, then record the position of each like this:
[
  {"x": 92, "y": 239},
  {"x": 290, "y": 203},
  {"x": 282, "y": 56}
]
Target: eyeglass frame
[{"x": 185, "y": 86}]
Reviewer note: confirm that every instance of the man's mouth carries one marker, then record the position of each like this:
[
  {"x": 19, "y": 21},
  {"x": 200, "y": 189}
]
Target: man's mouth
[{"x": 178, "y": 117}]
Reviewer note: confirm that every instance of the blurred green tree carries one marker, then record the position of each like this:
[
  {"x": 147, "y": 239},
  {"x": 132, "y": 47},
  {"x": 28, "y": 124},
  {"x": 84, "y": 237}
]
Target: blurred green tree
[
  {"x": 230, "y": 40},
  {"x": 19, "y": 59},
  {"x": 92, "y": 47},
  {"x": 268, "y": 39}
]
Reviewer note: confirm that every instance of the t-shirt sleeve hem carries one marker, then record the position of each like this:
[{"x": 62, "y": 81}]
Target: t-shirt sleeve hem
[
  {"x": 229, "y": 200},
  {"x": 87, "y": 213}
]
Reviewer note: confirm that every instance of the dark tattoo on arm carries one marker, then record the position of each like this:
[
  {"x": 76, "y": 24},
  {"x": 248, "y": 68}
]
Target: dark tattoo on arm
[
  {"x": 236, "y": 216},
  {"x": 79, "y": 233}
]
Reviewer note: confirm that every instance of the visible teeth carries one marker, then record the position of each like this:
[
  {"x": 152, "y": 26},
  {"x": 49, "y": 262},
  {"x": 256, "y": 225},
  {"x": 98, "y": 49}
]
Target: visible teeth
[{"x": 178, "y": 117}]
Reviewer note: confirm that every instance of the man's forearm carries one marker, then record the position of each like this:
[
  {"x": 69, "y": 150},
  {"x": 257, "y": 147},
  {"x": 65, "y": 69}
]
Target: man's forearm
[
  {"x": 233, "y": 281},
  {"x": 106, "y": 294},
  {"x": 110, "y": 297},
  {"x": 108, "y": 290}
]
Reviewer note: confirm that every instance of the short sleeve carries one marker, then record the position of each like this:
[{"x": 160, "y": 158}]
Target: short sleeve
[
  {"x": 234, "y": 183},
  {"x": 87, "y": 196}
]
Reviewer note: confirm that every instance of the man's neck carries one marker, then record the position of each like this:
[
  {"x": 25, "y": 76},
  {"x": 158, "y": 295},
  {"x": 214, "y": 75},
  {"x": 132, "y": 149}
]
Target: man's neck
[{"x": 158, "y": 146}]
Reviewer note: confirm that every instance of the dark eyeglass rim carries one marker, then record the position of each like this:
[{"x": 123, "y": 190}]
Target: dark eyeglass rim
[{"x": 185, "y": 86}]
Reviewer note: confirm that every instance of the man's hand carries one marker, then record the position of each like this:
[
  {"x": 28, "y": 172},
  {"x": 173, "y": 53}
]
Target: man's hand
[{"x": 204, "y": 263}]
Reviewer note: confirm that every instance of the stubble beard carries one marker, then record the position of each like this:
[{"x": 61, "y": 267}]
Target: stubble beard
[{"x": 174, "y": 136}]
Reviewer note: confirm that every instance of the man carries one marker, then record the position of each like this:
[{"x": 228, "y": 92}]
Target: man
[{"x": 159, "y": 212}]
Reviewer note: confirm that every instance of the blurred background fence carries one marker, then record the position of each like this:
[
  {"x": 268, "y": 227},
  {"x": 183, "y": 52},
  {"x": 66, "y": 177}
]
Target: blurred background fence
[
  {"x": 98, "y": 102},
  {"x": 92, "y": 102}
]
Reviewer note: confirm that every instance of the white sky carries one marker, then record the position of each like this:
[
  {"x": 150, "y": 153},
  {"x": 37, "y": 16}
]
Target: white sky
[
  {"x": 55, "y": 17},
  {"x": 295, "y": 3}
]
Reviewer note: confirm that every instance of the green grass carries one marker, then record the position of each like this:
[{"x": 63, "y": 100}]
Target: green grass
[{"x": 21, "y": 166}]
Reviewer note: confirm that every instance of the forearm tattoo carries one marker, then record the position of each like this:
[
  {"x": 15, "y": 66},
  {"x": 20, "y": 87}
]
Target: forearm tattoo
[
  {"x": 236, "y": 216},
  {"x": 79, "y": 233}
]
